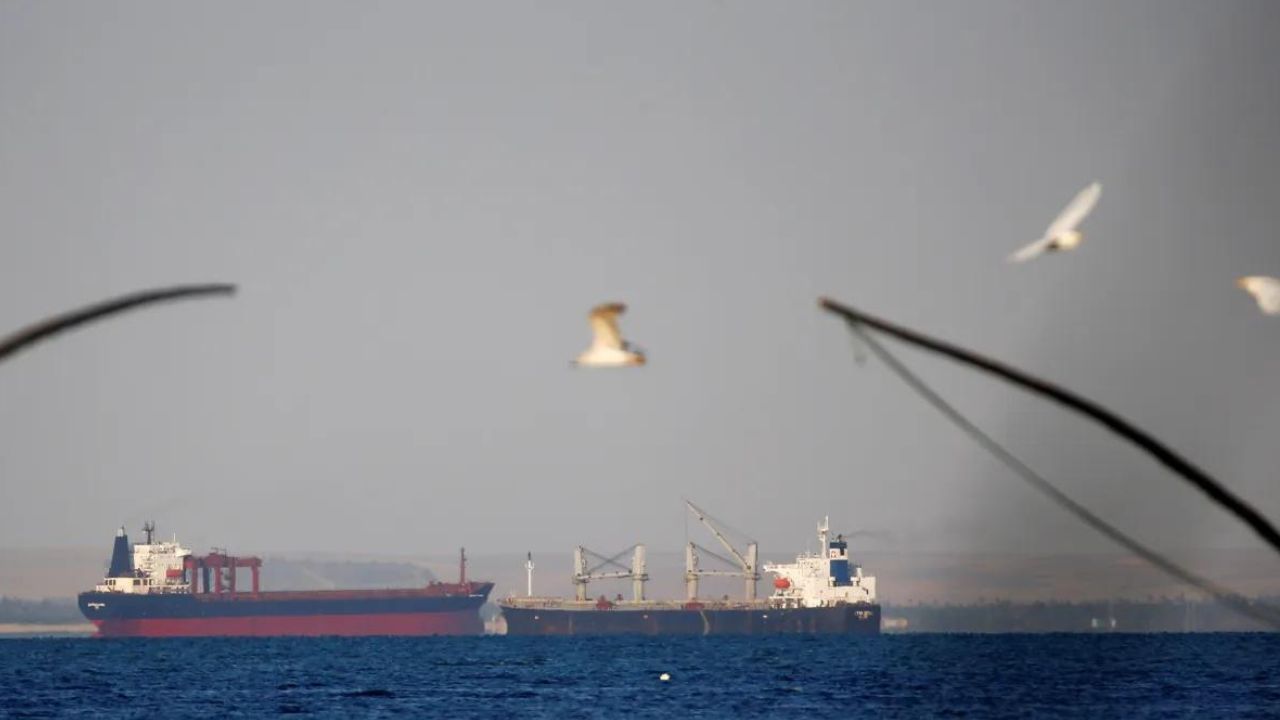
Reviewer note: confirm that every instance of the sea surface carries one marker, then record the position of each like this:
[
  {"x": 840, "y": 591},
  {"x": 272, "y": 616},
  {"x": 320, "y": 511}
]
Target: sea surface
[{"x": 1096, "y": 676}]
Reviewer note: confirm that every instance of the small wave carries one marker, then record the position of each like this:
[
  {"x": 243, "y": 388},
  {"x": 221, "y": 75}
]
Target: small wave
[{"x": 376, "y": 692}]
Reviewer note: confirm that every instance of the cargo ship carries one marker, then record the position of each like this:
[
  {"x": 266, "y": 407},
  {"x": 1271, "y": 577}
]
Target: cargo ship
[
  {"x": 820, "y": 593},
  {"x": 161, "y": 589}
]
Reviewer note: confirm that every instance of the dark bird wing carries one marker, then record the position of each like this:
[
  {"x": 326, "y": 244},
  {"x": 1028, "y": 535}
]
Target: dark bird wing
[
  {"x": 70, "y": 320},
  {"x": 1215, "y": 490},
  {"x": 1233, "y": 600}
]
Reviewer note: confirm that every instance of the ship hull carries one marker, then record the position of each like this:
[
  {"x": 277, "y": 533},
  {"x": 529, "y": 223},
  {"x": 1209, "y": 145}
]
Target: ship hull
[
  {"x": 863, "y": 619},
  {"x": 349, "y": 613}
]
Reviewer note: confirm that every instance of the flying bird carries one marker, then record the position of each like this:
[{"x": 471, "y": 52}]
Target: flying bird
[
  {"x": 1062, "y": 233},
  {"x": 61, "y": 323},
  {"x": 1266, "y": 290},
  {"x": 608, "y": 349}
]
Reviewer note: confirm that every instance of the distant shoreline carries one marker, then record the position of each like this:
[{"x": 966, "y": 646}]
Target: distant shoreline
[{"x": 43, "y": 629}]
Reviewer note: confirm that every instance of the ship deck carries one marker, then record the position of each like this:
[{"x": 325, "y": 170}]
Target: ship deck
[
  {"x": 438, "y": 590},
  {"x": 557, "y": 603}
]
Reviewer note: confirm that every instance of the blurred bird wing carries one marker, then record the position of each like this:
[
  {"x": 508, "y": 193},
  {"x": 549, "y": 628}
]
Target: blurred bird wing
[
  {"x": 1030, "y": 251},
  {"x": 1075, "y": 212},
  {"x": 604, "y": 324},
  {"x": 1266, "y": 290},
  {"x": 92, "y": 313}
]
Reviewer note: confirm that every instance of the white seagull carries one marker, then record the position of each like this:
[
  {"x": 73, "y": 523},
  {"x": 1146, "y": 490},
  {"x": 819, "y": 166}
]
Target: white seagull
[
  {"x": 1062, "y": 233},
  {"x": 608, "y": 349},
  {"x": 1266, "y": 290}
]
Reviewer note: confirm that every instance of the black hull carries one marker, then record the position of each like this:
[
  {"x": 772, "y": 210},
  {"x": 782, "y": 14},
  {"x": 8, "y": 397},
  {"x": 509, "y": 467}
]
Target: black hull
[
  {"x": 422, "y": 611},
  {"x": 843, "y": 620},
  {"x": 97, "y": 606}
]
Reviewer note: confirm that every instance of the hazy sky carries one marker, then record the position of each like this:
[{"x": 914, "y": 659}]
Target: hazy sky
[{"x": 421, "y": 201}]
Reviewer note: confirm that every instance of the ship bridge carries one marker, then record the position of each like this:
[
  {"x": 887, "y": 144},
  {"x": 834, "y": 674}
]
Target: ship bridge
[
  {"x": 165, "y": 567},
  {"x": 822, "y": 579}
]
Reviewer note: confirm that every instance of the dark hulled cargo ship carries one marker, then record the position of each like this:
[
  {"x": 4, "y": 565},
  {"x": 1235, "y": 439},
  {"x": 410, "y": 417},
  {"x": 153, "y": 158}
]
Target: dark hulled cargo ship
[
  {"x": 821, "y": 593},
  {"x": 686, "y": 619},
  {"x": 160, "y": 589}
]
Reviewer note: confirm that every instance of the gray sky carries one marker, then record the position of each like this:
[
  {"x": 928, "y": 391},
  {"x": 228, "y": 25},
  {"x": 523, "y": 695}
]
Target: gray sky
[{"x": 420, "y": 202}]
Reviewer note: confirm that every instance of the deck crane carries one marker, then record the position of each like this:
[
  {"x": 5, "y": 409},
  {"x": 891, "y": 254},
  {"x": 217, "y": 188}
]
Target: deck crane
[
  {"x": 750, "y": 564},
  {"x": 582, "y": 574}
]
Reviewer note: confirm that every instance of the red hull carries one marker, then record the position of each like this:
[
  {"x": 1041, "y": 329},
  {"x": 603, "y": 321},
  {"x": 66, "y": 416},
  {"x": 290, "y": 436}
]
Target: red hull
[{"x": 435, "y": 623}]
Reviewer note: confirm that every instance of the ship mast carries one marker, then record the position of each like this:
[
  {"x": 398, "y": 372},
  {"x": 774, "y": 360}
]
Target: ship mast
[
  {"x": 749, "y": 564},
  {"x": 637, "y": 573},
  {"x": 528, "y": 566}
]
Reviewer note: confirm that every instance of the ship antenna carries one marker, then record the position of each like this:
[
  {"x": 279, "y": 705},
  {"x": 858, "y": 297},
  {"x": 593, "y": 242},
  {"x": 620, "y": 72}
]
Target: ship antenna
[
  {"x": 462, "y": 566},
  {"x": 149, "y": 528}
]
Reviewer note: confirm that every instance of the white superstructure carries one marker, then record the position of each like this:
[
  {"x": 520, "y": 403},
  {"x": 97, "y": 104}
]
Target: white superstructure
[
  {"x": 822, "y": 579},
  {"x": 155, "y": 567}
]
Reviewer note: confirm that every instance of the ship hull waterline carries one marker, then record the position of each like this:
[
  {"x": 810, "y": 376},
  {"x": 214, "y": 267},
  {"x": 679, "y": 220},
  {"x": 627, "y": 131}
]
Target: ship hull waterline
[{"x": 841, "y": 620}]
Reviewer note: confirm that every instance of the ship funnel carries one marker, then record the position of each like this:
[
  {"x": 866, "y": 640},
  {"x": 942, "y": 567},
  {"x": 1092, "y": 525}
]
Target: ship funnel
[{"x": 121, "y": 560}]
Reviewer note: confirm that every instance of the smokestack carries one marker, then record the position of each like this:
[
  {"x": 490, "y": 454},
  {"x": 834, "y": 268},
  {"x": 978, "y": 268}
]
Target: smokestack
[{"x": 121, "y": 559}]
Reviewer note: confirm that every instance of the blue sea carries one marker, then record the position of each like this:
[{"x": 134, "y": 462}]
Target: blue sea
[{"x": 1224, "y": 675}]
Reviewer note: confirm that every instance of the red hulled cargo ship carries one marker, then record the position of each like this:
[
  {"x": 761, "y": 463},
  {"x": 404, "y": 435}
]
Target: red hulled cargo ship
[{"x": 161, "y": 589}]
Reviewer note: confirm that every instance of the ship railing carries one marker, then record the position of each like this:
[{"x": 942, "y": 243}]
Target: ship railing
[
  {"x": 625, "y": 605},
  {"x": 547, "y": 602}
]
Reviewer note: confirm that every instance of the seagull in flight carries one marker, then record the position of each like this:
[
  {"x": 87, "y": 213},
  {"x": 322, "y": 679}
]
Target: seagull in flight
[
  {"x": 608, "y": 349},
  {"x": 1062, "y": 233},
  {"x": 1266, "y": 290}
]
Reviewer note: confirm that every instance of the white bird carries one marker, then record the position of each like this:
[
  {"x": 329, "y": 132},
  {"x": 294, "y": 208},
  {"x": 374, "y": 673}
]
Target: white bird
[
  {"x": 608, "y": 349},
  {"x": 1266, "y": 290},
  {"x": 1062, "y": 233}
]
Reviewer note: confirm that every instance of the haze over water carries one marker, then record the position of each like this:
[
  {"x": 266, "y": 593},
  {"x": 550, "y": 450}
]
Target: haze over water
[{"x": 420, "y": 203}]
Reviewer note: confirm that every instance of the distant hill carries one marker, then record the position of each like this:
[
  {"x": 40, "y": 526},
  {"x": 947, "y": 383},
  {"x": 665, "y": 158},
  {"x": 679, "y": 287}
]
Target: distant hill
[
  {"x": 42, "y": 612},
  {"x": 904, "y": 578},
  {"x": 927, "y": 578},
  {"x": 286, "y": 574},
  {"x": 36, "y": 573}
]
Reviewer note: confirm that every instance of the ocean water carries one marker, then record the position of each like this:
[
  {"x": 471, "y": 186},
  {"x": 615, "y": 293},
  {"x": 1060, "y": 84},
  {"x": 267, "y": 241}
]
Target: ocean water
[{"x": 1204, "y": 675}]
